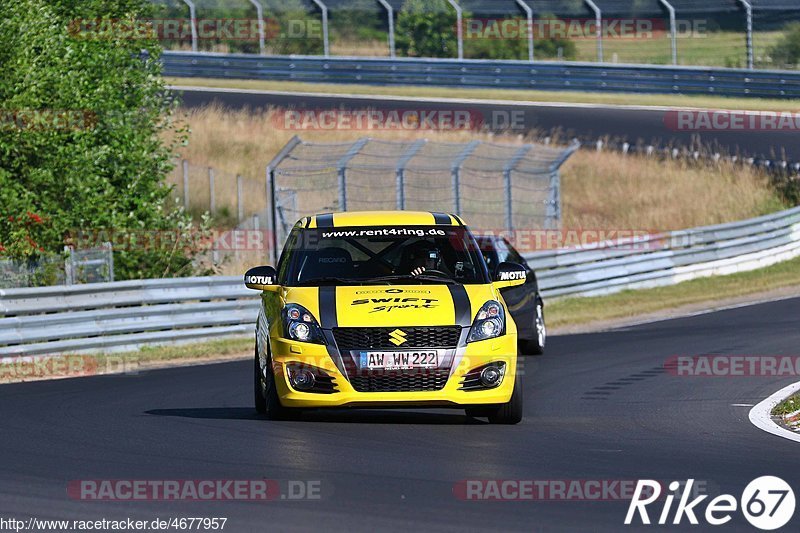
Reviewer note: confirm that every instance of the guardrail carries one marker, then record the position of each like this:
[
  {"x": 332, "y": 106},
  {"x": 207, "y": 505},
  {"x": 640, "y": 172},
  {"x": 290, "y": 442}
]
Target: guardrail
[
  {"x": 488, "y": 74},
  {"x": 125, "y": 315},
  {"x": 669, "y": 258}
]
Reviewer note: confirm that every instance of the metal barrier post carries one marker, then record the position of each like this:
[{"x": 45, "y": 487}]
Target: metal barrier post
[
  {"x": 325, "y": 38},
  {"x": 455, "y": 172},
  {"x": 272, "y": 192},
  {"x": 507, "y": 169},
  {"x": 390, "y": 11},
  {"x": 673, "y": 32},
  {"x": 342, "y": 170},
  {"x": 459, "y": 27},
  {"x": 193, "y": 17},
  {"x": 598, "y": 15},
  {"x": 239, "y": 199},
  {"x": 529, "y": 13},
  {"x": 185, "y": 184},
  {"x": 212, "y": 204},
  {"x": 261, "y": 32},
  {"x": 401, "y": 172},
  {"x": 748, "y": 8}
]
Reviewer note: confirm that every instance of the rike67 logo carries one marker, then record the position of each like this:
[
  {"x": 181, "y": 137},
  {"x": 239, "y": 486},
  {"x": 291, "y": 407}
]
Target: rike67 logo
[{"x": 768, "y": 503}]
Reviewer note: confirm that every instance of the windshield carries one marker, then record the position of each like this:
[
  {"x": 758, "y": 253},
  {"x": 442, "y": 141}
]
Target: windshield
[{"x": 386, "y": 254}]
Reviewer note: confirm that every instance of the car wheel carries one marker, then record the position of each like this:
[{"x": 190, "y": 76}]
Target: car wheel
[
  {"x": 511, "y": 412},
  {"x": 536, "y": 346},
  {"x": 266, "y": 393}
]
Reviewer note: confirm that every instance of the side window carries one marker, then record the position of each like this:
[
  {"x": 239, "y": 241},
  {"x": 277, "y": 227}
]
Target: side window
[
  {"x": 502, "y": 251},
  {"x": 513, "y": 256}
]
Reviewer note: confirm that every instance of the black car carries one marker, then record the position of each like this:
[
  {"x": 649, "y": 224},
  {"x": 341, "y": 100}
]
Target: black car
[{"x": 524, "y": 302}]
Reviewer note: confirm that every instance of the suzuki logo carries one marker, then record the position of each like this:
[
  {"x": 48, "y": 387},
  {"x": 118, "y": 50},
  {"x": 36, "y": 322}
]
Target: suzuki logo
[{"x": 398, "y": 337}]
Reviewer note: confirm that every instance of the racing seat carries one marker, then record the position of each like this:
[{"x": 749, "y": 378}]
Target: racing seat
[{"x": 328, "y": 262}]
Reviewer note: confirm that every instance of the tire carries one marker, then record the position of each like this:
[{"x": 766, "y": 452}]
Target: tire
[
  {"x": 258, "y": 386},
  {"x": 536, "y": 346},
  {"x": 509, "y": 413},
  {"x": 267, "y": 401}
]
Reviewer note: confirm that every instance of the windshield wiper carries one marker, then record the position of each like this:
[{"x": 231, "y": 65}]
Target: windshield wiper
[
  {"x": 409, "y": 277},
  {"x": 327, "y": 281}
]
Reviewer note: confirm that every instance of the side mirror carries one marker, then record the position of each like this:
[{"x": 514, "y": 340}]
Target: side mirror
[
  {"x": 262, "y": 278},
  {"x": 509, "y": 275}
]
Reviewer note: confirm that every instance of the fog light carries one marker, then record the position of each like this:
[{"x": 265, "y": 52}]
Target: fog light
[
  {"x": 491, "y": 376},
  {"x": 302, "y": 380}
]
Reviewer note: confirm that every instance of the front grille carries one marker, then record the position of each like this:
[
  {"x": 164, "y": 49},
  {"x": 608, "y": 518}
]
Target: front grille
[
  {"x": 416, "y": 337},
  {"x": 420, "y": 381}
]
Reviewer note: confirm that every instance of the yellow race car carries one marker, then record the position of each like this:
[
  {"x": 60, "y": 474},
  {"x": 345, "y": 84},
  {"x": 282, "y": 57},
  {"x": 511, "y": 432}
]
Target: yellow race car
[{"x": 385, "y": 309}]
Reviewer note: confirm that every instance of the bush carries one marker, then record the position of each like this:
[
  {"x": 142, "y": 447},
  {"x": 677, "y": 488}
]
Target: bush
[
  {"x": 82, "y": 129},
  {"x": 427, "y": 28},
  {"x": 787, "y": 51}
]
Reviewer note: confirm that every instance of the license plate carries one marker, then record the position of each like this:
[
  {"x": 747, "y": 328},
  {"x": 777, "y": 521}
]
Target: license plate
[{"x": 400, "y": 360}]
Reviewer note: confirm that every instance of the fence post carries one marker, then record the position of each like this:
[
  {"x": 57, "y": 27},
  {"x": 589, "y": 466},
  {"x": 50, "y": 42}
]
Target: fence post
[
  {"x": 212, "y": 203},
  {"x": 529, "y": 14},
  {"x": 341, "y": 168},
  {"x": 272, "y": 195},
  {"x": 110, "y": 248},
  {"x": 261, "y": 32},
  {"x": 390, "y": 11},
  {"x": 325, "y": 40},
  {"x": 239, "y": 200},
  {"x": 193, "y": 17},
  {"x": 400, "y": 172},
  {"x": 69, "y": 267},
  {"x": 455, "y": 173},
  {"x": 459, "y": 27},
  {"x": 185, "y": 184},
  {"x": 672, "y": 30},
  {"x": 507, "y": 169},
  {"x": 748, "y": 9},
  {"x": 598, "y": 15}
]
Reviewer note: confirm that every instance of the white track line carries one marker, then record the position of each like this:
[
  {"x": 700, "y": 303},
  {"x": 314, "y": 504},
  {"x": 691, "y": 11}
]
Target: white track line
[
  {"x": 761, "y": 417},
  {"x": 434, "y": 100}
]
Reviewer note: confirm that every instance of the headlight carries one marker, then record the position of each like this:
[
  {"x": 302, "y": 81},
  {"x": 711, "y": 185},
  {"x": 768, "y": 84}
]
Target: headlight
[
  {"x": 300, "y": 325},
  {"x": 490, "y": 322}
]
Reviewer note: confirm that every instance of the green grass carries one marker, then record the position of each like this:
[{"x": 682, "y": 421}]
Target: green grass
[
  {"x": 629, "y": 304},
  {"x": 787, "y": 406},
  {"x": 669, "y": 100},
  {"x": 206, "y": 350},
  {"x": 712, "y": 49}
]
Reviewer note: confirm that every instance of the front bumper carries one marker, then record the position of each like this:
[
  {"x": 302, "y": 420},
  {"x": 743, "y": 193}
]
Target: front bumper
[{"x": 503, "y": 349}]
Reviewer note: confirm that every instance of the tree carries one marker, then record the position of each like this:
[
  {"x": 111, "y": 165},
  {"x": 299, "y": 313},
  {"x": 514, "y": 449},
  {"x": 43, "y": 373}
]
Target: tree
[
  {"x": 786, "y": 51},
  {"x": 86, "y": 131},
  {"x": 427, "y": 28}
]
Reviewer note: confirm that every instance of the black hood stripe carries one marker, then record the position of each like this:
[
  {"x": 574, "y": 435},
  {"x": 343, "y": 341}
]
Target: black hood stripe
[
  {"x": 462, "y": 305},
  {"x": 327, "y": 307}
]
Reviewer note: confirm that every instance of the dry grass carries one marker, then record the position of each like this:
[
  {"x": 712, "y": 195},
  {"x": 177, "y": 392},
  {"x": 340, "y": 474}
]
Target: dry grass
[
  {"x": 599, "y": 190},
  {"x": 607, "y": 191}
]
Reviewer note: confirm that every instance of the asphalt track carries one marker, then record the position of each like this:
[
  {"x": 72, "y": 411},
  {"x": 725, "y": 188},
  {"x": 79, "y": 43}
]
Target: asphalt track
[
  {"x": 598, "y": 406},
  {"x": 617, "y": 124}
]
